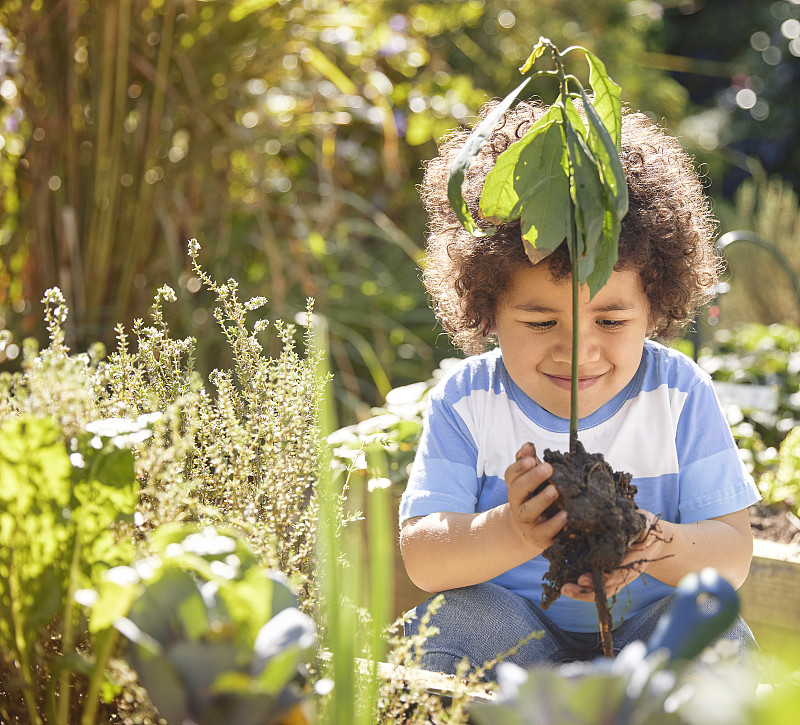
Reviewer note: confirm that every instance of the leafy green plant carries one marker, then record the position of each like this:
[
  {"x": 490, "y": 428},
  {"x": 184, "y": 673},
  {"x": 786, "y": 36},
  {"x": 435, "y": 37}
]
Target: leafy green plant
[
  {"x": 276, "y": 127},
  {"x": 758, "y": 286},
  {"x": 563, "y": 180},
  {"x": 61, "y": 501},
  {"x": 238, "y": 450},
  {"x": 213, "y": 635},
  {"x": 782, "y": 484},
  {"x": 759, "y": 355}
]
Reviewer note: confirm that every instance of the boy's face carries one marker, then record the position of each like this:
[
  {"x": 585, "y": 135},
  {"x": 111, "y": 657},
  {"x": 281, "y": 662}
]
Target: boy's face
[{"x": 534, "y": 329}]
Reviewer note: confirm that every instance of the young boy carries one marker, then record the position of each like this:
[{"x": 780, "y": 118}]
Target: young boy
[{"x": 470, "y": 526}]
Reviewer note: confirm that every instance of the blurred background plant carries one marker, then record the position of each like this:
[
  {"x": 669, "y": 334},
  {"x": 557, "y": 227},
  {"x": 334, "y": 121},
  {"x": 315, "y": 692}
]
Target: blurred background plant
[{"x": 767, "y": 357}]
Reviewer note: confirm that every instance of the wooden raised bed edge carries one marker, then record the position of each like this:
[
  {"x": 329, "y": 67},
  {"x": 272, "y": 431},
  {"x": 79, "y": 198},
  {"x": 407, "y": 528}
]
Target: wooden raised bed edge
[{"x": 770, "y": 597}]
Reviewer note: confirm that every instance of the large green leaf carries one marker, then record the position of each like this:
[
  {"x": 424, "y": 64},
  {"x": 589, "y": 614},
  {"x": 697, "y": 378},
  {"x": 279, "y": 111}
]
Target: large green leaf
[
  {"x": 606, "y": 154},
  {"x": 595, "y": 268},
  {"x": 545, "y": 206},
  {"x": 469, "y": 151},
  {"x": 34, "y": 526},
  {"x": 587, "y": 191},
  {"x": 506, "y": 183},
  {"x": 607, "y": 98}
]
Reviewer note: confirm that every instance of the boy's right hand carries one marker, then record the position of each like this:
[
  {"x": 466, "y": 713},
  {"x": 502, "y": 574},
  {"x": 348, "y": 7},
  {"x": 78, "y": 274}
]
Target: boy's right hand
[{"x": 528, "y": 521}]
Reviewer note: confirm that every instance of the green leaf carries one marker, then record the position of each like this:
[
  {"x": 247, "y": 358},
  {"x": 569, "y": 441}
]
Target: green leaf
[
  {"x": 545, "y": 207},
  {"x": 157, "y": 611},
  {"x": 574, "y": 117},
  {"x": 114, "y": 601},
  {"x": 607, "y": 98},
  {"x": 587, "y": 191},
  {"x": 242, "y": 8},
  {"x": 537, "y": 52},
  {"x": 505, "y": 185},
  {"x": 248, "y": 602},
  {"x": 34, "y": 526},
  {"x": 596, "y": 267},
  {"x": 33, "y": 463},
  {"x": 607, "y": 156},
  {"x": 468, "y": 152}
]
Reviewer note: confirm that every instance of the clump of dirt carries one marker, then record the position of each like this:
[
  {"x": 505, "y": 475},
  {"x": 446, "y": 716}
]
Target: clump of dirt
[
  {"x": 602, "y": 521},
  {"x": 602, "y": 525}
]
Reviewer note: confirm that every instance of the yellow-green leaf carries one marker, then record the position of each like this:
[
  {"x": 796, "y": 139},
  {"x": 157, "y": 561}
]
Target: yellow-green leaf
[
  {"x": 507, "y": 181},
  {"x": 607, "y": 98}
]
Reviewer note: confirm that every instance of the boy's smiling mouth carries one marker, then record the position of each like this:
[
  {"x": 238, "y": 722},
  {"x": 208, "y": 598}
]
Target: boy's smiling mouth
[{"x": 585, "y": 381}]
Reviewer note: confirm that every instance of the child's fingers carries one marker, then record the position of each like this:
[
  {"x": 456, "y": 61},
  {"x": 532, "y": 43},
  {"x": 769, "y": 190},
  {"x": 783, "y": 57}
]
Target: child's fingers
[
  {"x": 531, "y": 509},
  {"x": 529, "y": 450},
  {"x": 524, "y": 476},
  {"x": 583, "y": 589}
]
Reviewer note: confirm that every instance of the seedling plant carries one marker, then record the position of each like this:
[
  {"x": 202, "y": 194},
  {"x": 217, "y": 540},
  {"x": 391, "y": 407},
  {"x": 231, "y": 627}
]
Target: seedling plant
[{"x": 563, "y": 180}]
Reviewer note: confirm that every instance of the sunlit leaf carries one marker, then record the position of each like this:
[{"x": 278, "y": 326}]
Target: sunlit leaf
[
  {"x": 596, "y": 267},
  {"x": 607, "y": 95},
  {"x": 330, "y": 70},
  {"x": 34, "y": 526},
  {"x": 506, "y": 183},
  {"x": 607, "y": 156},
  {"x": 586, "y": 190},
  {"x": 544, "y": 209},
  {"x": 242, "y": 8},
  {"x": 537, "y": 51}
]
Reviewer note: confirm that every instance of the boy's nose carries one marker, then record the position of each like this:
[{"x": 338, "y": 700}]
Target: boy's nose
[{"x": 588, "y": 350}]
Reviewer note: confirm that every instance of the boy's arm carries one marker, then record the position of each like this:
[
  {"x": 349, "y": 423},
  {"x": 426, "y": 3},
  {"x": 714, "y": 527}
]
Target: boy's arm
[
  {"x": 671, "y": 551},
  {"x": 448, "y": 550}
]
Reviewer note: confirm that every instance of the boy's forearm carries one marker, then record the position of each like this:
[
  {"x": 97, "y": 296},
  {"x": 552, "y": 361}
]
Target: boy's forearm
[
  {"x": 724, "y": 543},
  {"x": 449, "y": 550}
]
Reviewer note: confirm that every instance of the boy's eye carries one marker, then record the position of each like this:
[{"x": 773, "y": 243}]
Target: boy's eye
[
  {"x": 611, "y": 324},
  {"x": 541, "y": 325}
]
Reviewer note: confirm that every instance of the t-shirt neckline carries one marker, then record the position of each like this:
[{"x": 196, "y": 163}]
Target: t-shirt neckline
[{"x": 556, "y": 424}]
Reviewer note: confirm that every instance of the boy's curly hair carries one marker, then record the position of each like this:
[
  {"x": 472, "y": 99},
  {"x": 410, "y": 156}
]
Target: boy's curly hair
[{"x": 667, "y": 234}]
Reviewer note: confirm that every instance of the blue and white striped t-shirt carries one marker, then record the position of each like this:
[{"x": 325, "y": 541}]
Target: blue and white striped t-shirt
[{"x": 666, "y": 428}]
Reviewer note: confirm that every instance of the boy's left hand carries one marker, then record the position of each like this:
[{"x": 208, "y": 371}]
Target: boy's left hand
[{"x": 649, "y": 548}]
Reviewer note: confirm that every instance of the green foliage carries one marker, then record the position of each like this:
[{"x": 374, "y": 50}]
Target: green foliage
[
  {"x": 530, "y": 181},
  {"x": 113, "y": 450},
  {"x": 759, "y": 287},
  {"x": 760, "y": 355},
  {"x": 213, "y": 636},
  {"x": 559, "y": 153},
  {"x": 288, "y": 140},
  {"x": 57, "y": 534},
  {"x": 782, "y": 485}
]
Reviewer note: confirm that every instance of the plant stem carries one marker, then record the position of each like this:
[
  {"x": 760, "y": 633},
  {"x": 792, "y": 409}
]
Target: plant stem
[
  {"x": 572, "y": 241},
  {"x": 92, "y": 699},
  {"x": 68, "y": 633},
  {"x": 25, "y": 668},
  {"x": 573, "y": 381}
]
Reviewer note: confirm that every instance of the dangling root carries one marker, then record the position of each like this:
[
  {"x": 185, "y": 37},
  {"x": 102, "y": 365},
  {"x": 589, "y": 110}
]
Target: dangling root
[{"x": 603, "y": 613}]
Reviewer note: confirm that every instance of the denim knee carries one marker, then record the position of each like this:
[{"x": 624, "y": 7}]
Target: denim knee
[{"x": 480, "y": 623}]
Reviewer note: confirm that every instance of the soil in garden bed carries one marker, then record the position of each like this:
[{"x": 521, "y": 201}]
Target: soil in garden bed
[{"x": 774, "y": 523}]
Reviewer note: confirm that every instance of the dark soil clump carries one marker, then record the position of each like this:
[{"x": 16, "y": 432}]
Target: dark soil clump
[{"x": 602, "y": 521}]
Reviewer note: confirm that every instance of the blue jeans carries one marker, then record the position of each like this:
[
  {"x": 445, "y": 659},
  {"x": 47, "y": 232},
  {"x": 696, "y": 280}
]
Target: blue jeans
[{"x": 483, "y": 621}]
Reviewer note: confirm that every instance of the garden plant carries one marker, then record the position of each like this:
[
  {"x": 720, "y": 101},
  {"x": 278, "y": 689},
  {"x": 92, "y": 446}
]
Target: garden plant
[
  {"x": 563, "y": 179},
  {"x": 101, "y": 459}
]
